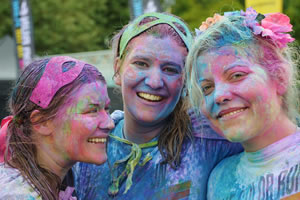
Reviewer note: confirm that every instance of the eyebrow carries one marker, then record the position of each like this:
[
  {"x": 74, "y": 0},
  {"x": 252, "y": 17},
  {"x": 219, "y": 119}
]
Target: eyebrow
[
  {"x": 173, "y": 64},
  {"x": 167, "y": 62},
  {"x": 235, "y": 64},
  {"x": 140, "y": 57},
  {"x": 202, "y": 79}
]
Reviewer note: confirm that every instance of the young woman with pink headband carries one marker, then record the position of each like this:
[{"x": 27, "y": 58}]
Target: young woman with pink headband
[{"x": 59, "y": 110}]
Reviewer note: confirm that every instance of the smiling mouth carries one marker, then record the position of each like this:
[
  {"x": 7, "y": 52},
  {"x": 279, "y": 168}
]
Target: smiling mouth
[
  {"x": 149, "y": 97},
  {"x": 231, "y": 113},
  {"x": 97, "y": 140}
]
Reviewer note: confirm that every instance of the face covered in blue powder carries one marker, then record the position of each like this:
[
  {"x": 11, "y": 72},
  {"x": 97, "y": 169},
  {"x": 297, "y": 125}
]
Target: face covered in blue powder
[{"x": 151, "y": 78}]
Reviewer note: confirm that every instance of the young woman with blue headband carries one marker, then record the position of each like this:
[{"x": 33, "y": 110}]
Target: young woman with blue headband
[
  {"x": 152, "y": 152},
  {"x": 243, "y": 77}
]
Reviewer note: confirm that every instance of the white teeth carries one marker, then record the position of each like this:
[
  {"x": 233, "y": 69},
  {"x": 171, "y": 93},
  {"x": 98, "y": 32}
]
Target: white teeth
[
  {"x": 234, "y": 112},
  {"x": 97, "y": 140},
  {"x": 150, "y": 97}
]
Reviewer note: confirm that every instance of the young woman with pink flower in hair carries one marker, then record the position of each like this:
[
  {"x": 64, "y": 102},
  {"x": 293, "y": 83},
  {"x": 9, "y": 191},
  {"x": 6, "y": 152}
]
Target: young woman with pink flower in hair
[{"x": 242, "y": 76}]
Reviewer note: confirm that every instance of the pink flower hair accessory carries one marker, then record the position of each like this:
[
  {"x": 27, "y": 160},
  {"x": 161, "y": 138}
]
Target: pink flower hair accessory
[
  {"x": 59, "y": 71},
  {"x": 274, "y": 26}
]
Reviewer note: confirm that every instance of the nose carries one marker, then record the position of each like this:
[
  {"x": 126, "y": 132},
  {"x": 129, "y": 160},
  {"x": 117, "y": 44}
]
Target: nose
[
  {"x": 222, "y": 94},
  {"x": 154, "y": 79},
  {"x": 106, "y": 122}
]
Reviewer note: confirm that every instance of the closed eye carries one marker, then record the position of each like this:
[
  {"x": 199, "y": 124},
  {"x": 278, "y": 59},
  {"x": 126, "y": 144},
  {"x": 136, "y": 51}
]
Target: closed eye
[
  {"x": 94, "y": 110},
  {"x": 91, "y": 111}
]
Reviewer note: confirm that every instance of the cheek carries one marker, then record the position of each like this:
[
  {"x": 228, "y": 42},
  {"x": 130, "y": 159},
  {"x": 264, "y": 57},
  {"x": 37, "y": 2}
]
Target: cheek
[
  {"x": 256, "y": 92},
  {"x": 207, "y": 105},
  {"x": 174, "y": 84},
  {"x": 84, "y": 125},
  {"x": 130, "y": 75},
  {"x": 179, "y": 83},
  {"x": 203, "y": 109}
]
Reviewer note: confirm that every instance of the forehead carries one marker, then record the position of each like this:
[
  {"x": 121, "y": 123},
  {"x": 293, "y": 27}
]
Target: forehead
[
  {"x": 220, "y": 58},
  {"x": 94, "y": 92},
  {"x": 159, "y": 48}
]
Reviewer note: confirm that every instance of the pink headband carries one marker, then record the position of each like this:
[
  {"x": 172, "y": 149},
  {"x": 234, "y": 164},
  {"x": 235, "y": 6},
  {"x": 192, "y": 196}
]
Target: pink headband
[{"x": 55, "y": 76}]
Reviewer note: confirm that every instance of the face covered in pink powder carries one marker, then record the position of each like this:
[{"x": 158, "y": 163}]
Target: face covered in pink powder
[
  {"x": 240, "y": 99},
  {"x": 151, "y": 78},
  {"x": 82, "y": 125}
]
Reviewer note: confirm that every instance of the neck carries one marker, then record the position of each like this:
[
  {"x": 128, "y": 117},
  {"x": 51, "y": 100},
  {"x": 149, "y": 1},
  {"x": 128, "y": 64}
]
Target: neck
[
  {"x": 140, "y": 132},
  {"x": 279, "y": 129},
  {"x": 52, "y": 161}
]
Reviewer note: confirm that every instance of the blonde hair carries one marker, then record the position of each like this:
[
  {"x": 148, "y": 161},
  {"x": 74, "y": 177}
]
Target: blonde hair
[{"x": 279, "y": 63}]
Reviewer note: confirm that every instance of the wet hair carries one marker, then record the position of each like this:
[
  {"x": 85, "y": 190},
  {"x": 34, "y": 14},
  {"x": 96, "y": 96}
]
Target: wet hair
[
  {"x": 21, "y": 151},
  {"x": 177, "y": 128},
  {"x": 279, "y": 63}
]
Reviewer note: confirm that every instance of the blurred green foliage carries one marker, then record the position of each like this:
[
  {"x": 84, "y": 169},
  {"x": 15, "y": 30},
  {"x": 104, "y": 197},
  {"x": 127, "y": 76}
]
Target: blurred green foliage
[
  {"x": 196, "y": 11},
  {"x": 70, "y": 26},
  {"x": 292, "y": 9},
  {"x": 5, "y": 18},
  {"x": 76, "y": 26}
]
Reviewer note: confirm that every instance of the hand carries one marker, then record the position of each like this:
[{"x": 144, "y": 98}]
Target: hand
[{"x": 67, "y": 194}]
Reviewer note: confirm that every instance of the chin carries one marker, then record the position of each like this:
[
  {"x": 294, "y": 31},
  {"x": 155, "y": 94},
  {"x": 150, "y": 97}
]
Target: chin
[
  {"x": 147, "y": 118},
  {"x": 100, "y": 162},
  {"x": 234, "y": 139},
  {"x": 97, "y": 160},
  {"x": 234, "y": 136}
]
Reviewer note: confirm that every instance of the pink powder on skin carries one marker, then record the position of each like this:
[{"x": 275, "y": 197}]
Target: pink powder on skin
[
  {"x": 233, "y": 83},
  {"x": 83, "y": 116}
]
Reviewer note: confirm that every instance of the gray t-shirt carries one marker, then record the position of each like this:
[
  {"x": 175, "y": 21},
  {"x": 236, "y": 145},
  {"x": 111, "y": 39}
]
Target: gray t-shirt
[{"x": 270, "y": 173}]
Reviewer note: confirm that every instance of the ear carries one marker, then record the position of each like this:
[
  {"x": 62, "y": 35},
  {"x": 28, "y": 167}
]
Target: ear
[
  {"x": 281, "y": 78},
  {"x": 117, "y": 69},
  {"x": 44, "y": 128},
  {"x": 281, "y": 85},
  {"x": 281, "y": 89}
]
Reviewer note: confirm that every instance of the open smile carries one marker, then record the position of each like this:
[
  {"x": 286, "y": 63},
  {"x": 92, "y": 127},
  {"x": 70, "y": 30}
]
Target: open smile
[
  {"x": 96, "y": 140},
  {"x": 149, "y": 97},
  {"x": 230, "y": 112}
]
